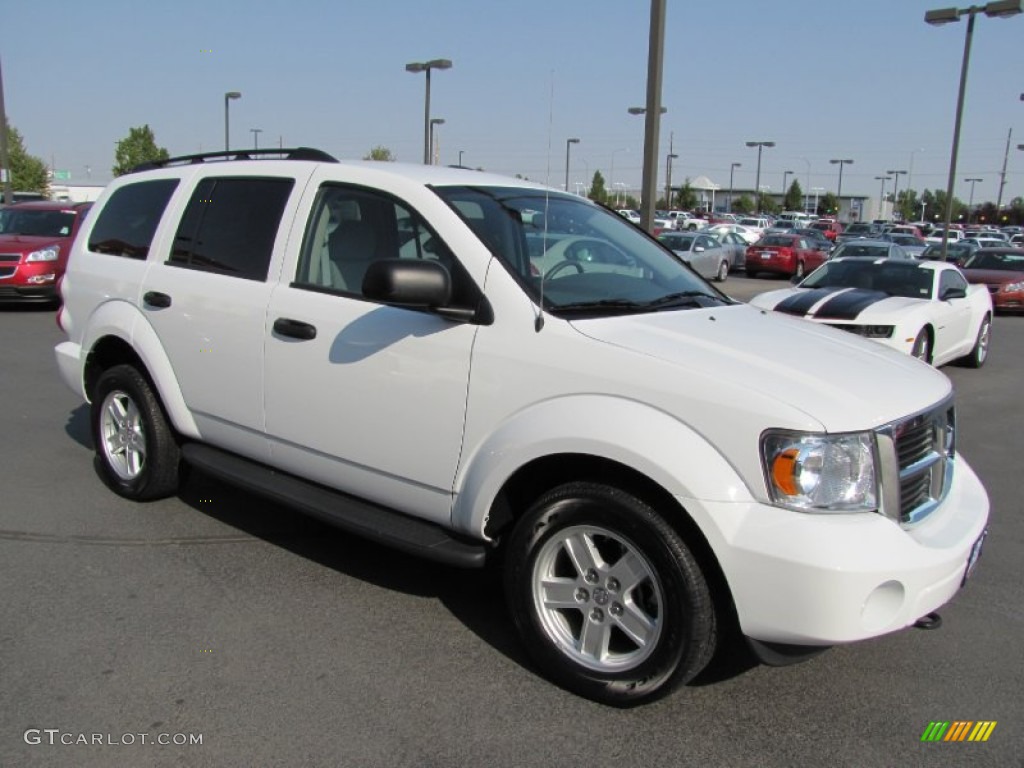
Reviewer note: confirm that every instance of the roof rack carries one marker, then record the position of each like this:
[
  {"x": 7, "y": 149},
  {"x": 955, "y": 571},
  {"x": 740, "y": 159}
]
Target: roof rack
[{"x": 296, "y": 153}]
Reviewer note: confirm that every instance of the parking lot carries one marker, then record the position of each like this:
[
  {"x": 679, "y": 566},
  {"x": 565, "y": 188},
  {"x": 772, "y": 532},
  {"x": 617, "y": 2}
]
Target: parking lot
[{"x": 279, "y": 641}]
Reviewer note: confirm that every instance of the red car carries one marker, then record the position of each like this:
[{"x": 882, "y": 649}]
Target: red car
[
  {"x": 829, "y": 228},
  {"x": 783, "y": 254},
  {"x": 1002, "y": 270},
  {"x": 35, "y": 240}
]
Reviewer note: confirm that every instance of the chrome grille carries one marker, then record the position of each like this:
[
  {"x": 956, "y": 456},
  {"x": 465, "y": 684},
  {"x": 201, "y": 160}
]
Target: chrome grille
[{"x": 924, "y": 448}]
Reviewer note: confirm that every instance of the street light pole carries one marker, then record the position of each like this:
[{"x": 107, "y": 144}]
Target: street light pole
[
  {"x": 255, "y": 137},
  {"x": 732, "y": 168},
  {"x": 785, "y": 189},
  {"x": 816, "y": 191},
  {"x": 895, "y": 184},
  {"x": 881, "y": 195},
  {"x": 425, "y": 67},
  {"x": 839, "y": 193},
  {"x": 647, "y": 205},
  {"x": 996, "y": 8},
  {"x": 433, "y": 121},
  {"x": 757, "y": 179},
  {"x": 668, "y": 177},
  {"x": 970, "y": 203},
  {"x": 227, "y": 133},
  {"x": 568, "y": 143},
  {"x": 461, "y": 151}
]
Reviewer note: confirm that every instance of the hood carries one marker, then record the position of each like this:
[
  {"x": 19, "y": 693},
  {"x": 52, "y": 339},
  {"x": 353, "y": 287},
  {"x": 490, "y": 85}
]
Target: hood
[
  {"x": 993, "y": 276},
  {"x": 29, "y": 242},
  {"x": 743, "y": 354},
  {"x": 839, "y": 304}
]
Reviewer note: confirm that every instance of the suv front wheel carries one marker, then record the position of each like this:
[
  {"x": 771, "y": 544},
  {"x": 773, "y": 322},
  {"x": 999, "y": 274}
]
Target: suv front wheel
[
  {"x": 136, "y": 452},
  {"x": 608, "y": 599}
]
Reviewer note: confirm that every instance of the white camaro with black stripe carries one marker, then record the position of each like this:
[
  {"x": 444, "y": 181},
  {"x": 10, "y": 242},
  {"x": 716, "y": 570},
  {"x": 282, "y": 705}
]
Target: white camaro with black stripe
[{"x": 926, "y": 309}]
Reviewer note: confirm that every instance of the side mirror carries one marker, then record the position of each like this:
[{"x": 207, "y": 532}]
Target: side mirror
[
  {"x": 408, "y": 283},
  {"x": 954, "y": 293},
  {"x": 698, "y": 249}
]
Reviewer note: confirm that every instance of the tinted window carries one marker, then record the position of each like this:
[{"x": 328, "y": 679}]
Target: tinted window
[
  {"x": 230, "y": 225},
  {"x": 127, "y": 222}
]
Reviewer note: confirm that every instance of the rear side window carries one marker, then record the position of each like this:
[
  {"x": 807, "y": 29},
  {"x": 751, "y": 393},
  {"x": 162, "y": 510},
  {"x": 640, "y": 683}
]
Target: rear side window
[
  {"x": 126, "y": 225},
  {"x": 230, "y": 225}
]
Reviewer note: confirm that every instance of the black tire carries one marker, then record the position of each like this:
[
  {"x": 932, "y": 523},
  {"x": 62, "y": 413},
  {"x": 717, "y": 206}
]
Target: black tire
[
  {"x": 979, "y": 353},
  {"x": 136, "y": 452},
  {"x": 667, "y": 604},
  {"x": 723, "y": 272},
  {"x": 922, "y": 348}
]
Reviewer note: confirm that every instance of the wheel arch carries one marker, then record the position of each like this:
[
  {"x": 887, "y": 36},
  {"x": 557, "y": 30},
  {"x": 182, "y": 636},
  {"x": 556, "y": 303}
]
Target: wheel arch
[{"x": 120, "y": 337}]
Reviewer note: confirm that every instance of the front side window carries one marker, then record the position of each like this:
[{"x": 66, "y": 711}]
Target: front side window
[
  {"x": 230, "y": 225},
  {"x": 575, "y": 258},
  {"x": 128, "y": 221},
  {"x": 351, "y": 227}
]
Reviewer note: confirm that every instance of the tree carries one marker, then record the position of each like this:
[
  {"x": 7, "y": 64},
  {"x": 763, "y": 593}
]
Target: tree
[
  {"x": 138, "y": 147},
  {"x": 597, "y": 192},
  {"x": 687, "y": 198},
  {"x": 28, "y": 173},
  {"x": 907, "y": 205},
  {"x": 767, "y": 204},
  {"x": 828, "y": 205},
  {"x": 383, "y": 154},
  {"x": 794, "y": 200},
  {"x": 743, "y": 204}
]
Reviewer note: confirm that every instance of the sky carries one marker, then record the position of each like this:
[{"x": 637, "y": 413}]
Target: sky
[{"x": 865, "y": 80}]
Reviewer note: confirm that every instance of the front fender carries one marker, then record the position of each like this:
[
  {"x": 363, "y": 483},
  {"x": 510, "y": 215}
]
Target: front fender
[
  {"x": 636, "y": 435},
  {"x": 111, "y": 319}
]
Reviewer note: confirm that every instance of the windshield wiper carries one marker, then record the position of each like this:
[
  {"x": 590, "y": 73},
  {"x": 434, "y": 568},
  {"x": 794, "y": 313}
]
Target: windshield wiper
[
  {"x": 600, "y": 305},
  {"x": 683, "y": 298}
]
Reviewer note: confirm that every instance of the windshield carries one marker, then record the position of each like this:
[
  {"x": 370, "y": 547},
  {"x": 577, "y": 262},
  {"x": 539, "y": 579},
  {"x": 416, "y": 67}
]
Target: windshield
[
  {"x": 860, "y": 250},
  {"x": 1011, "y": 262},
  {"x": 892, "y": 277},
  {"x": 581, "y": 258},
  {"x": 20, "y": 221}
]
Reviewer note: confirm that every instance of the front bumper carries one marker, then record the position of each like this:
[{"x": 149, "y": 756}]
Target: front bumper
[{"x": 812, "y": 579}]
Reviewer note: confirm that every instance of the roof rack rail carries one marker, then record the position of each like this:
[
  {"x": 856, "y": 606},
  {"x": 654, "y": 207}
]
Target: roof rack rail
[{"x": 295, "y": 153}]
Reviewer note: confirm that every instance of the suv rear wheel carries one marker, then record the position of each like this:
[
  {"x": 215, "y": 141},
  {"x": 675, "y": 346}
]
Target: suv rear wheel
[
  {"x": 136, "y": 452},
  {"x": 608, "y": 599}
]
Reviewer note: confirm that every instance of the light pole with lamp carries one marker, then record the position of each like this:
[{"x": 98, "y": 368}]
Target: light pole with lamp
[
  {"x": 895, "y": 185},
  {"x": 970, "y": 204},
  {"x": 817, "y": 191},
  {"x": 227, "y": 134},
  {"x": 425, "y": 67},
  {"x": 568, "y": 144},
  {"x": 757, "y": 179},
  {"x": 255, "y": 137},
  {"x": 881, "y": 195},
  {"x": 461, "y": 151},
  {"x": 732, "y": 168},
  {"x": 668, "y": 177},
  {"x": 839, "y": 193},
  {"x": 785, "y": 189},
  {"x": 995, "y": 9},
  {"x": 433, "y": 121},
  {"x": 647, "y": 195}
]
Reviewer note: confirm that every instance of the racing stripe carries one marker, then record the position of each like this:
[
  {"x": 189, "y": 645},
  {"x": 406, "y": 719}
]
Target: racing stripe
[
  {"x": 801, "y": 303},
  {"x": 848, "y": 305}
]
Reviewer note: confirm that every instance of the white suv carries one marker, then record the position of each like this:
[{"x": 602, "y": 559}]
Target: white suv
[{"x": 468, "y": 366}]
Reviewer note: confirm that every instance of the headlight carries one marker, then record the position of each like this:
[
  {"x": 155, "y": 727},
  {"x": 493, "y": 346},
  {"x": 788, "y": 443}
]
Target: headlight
[
  {"x": 45, "y": 254},
  {"x": 821, "y": 473},
  {"x": 1013, "y": 287}
]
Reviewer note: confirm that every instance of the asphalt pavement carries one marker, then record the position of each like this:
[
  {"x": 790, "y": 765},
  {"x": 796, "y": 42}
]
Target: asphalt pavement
[{"x": 218, "y": 617}]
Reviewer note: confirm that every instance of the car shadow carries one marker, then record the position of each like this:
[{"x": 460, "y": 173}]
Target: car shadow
[
  {"x": 77, "y": 426},
  {"x": 474, "y": 597}
]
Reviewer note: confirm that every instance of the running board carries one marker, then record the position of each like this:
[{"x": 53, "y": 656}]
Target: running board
[{"x": 363, "y": 518}]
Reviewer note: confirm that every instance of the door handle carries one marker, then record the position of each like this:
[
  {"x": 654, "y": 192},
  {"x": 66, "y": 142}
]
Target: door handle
[
  {"x": 294, "y": 329},
  {"x": 157, "y": 299}
]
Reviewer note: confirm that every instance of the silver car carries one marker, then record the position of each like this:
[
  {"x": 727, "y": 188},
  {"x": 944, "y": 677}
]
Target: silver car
[{"x": 702, "y": 252}]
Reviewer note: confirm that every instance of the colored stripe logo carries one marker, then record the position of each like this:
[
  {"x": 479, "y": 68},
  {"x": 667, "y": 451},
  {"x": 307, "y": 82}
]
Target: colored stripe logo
[{"x": 958, "y": 730}]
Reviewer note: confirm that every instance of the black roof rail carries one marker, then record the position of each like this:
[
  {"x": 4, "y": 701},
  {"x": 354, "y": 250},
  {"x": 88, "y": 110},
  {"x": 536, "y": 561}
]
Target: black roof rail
[{"x": 295, "y": 153}]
